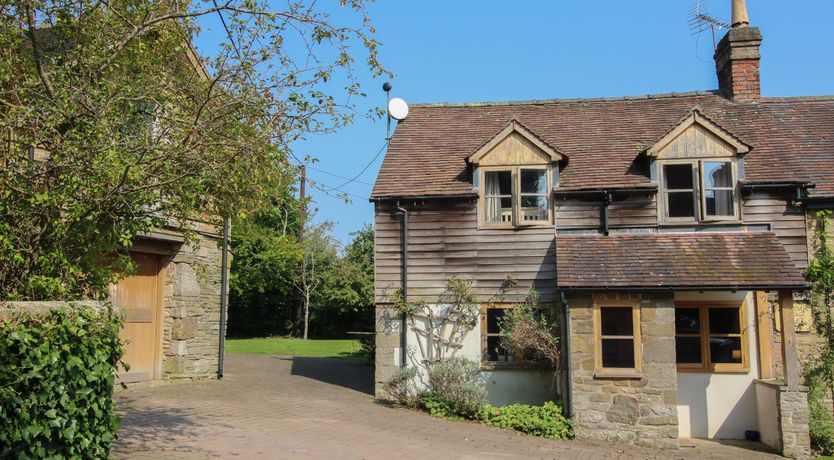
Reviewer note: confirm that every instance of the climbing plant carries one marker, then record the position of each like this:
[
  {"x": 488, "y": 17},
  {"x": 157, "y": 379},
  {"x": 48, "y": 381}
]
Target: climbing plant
[{"x": 820, "y": 371}]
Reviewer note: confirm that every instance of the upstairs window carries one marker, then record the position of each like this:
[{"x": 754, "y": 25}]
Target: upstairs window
[
  {"x": 698, "y": 190},
  {"x": 516, "y": 196}
]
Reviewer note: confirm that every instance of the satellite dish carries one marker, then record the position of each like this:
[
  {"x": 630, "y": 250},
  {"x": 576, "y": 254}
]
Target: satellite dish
[{"x": 397, "y": 109}]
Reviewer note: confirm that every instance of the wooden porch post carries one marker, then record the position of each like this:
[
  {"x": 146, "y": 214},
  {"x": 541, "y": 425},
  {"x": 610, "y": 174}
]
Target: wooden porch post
[
  {"x": 764, "y": 335},
  {"x": 790, "y": 358}
]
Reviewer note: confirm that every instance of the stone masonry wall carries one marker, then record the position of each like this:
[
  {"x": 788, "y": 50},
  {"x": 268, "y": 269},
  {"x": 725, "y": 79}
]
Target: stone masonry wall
[
  {"x": 640, "y": 410},
  {"x": 191, "y": 329},
  {"x": 387, "y": 348}
]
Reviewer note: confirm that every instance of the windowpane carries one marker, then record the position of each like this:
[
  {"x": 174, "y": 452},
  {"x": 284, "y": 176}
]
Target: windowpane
[
  {"x": 533, "y": 181},
  {"x": 724, "y": 321},
  {"x": 688, "y": 350},
  {"x": 495, "y": 352},
  {"x": 616, "y": 321},
  {"x": 687, "y": 321},
  {"x": 678, "y": 177},
  {"x": 499, "y": 210},
  {"x": 498, "y": 183},
  {"x": 725, "y": 350},
  {"x": 681, "y": 204},
  {"x": 533, "y": 208},
  {"x": 719, "y": 202},
  {"x": 493, "y": 318},
  {"x": 617, "y": 352},
  {"x": 718, "y": 174}
]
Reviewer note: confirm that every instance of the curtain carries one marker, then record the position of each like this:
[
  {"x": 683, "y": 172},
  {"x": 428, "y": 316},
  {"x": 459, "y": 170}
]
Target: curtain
[{"x": 493, "y": 202}]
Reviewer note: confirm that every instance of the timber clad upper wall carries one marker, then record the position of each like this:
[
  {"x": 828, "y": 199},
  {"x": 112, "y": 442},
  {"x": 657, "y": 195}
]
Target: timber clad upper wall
[
  {"x": 444, "y": 241},
  {"x": 791, "y": 140},
  {"x": 786, "y": 221},
  {"x": 634, "y": 212}
]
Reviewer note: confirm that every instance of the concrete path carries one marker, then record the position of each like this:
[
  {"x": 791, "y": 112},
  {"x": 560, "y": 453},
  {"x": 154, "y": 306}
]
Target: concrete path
[{"x": 289, "y": 407}]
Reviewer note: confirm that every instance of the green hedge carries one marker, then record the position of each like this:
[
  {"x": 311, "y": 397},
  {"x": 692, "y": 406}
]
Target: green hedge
[{"x": 56, "y": 384}]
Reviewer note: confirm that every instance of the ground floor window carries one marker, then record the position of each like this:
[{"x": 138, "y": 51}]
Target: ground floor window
[
  {"x": 617, "y": 338},
  {"x": 711, "y": 337},
  {"x": 493, "y": 352}
]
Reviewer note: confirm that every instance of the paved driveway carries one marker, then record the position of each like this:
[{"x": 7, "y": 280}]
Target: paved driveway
[{"x": 289, "y": 407}]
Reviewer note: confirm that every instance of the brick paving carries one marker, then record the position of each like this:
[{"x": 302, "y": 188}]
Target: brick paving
[{"x": 290, "y": 407}]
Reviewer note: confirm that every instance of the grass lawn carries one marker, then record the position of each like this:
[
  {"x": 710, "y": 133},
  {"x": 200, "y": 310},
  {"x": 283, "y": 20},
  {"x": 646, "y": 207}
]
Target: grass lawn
[{"x": 345, "y": 349}]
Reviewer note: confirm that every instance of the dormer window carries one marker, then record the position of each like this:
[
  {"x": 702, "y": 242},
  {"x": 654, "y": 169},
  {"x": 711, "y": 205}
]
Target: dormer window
[
  {"x": 516, "y": 196},
  {"x": 512, "y": 174},
  {"x": 696, "y": 168}
]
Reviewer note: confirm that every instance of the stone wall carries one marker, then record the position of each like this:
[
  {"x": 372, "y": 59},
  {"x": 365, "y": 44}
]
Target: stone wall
[
  {"x": 640, "y": 410},
  {"x": 191, "y": 319},
  {"x": 387, "y": 359}
]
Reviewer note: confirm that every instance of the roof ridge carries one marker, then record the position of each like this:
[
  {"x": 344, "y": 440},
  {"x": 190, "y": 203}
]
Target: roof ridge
[
  {"x": 568, "y": 100},
  {"x": 822, "y": 98}
]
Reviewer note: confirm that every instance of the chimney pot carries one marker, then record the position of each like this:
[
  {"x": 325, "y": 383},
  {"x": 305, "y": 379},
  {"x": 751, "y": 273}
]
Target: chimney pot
[{"x": 740, "y": 18}]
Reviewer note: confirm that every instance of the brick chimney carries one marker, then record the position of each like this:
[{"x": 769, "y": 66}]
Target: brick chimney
[{"x": 737, "y": 59}]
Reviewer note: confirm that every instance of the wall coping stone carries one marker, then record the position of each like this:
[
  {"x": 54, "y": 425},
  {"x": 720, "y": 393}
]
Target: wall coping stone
[{"x": 11, "y": 309}]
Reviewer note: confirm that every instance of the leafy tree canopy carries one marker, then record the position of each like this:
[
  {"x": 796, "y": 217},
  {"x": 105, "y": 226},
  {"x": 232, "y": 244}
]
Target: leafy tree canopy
[{"x": 111, "y": 127}]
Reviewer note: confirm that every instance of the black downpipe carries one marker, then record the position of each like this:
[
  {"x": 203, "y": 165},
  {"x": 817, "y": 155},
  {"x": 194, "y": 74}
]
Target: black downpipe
[
  {"x": 606, "y": 200},
  {"x": 568, "y": 376},
  {"x": 404, "y": 283},
  {"x": 224, "y": 289}
]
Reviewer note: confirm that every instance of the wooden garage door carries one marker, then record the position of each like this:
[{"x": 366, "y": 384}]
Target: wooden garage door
[{"x": 140, "y": 297}]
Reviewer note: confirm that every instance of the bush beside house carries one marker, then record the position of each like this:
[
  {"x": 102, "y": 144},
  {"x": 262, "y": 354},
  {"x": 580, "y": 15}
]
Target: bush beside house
[{"x": 56, "y": 383}]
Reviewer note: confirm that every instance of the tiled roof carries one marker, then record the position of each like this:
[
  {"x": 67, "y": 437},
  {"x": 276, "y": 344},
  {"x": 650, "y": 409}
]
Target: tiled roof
[
  {"x": 792, "y": 139},
  {"x": 675, "y": 260}
]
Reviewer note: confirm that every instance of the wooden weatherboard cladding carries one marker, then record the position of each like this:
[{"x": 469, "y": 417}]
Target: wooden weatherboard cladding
[
  {"x": 515, "y": 145},
  {"x": 444, "y": 241}
]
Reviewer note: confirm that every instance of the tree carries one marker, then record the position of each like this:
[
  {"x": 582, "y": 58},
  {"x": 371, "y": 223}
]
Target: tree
[
  {"x": 128, "y": 135},
  {"x": 319, "y": 255},
  {"x": 820, "y": 370},
  {"x": 266, "y": 259},
  {"x": 345, "y": 301}
]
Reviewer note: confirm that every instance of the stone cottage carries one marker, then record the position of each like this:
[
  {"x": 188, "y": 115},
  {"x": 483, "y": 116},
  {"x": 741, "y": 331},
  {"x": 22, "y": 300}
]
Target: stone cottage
[{"x": 669, "y": 231}]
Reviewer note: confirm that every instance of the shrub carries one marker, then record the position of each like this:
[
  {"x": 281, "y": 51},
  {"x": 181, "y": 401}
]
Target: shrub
[
  {"x": 400, "y": 387},
  {"x": 457, "y": 381},
  {"x": 546, "y": 421},
  {"x": 56, "y": 384},
  {"x": 438, "y": 406},
  {"x": 820, "y": 421},
  {"x": 531, "y": 332}
]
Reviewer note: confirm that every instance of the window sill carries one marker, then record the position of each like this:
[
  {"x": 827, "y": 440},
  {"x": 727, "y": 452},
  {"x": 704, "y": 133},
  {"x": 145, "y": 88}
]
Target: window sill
[
  {"x": 702, "y": 370},
  {"x": 507, "y": 366},
  {"x": 617, "y": 375}
]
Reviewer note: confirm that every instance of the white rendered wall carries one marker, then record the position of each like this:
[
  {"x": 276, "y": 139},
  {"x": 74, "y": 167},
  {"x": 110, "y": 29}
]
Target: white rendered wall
[
  {"x": 504, "y": 386},
  {"x": 721, "y": 406}
]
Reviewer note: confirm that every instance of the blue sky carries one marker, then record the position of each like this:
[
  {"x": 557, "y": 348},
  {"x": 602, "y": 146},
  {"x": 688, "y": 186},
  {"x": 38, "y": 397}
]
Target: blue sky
[{"x": 461, "y": 51}]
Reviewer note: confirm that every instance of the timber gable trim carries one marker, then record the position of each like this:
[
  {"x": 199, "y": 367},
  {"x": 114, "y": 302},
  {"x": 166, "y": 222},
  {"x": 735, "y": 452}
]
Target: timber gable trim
[
  {"x": 693, "y": 120},
  {"x": 515, "y": 126}
]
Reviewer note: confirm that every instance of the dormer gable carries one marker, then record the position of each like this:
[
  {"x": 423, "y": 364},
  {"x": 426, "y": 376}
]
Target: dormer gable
[
  {"x": 696, "y": 136},
  {"x": 515, "y": 144}
]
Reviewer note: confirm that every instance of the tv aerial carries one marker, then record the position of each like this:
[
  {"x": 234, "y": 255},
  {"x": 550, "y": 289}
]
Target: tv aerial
[{"x": 700, "y": 20}]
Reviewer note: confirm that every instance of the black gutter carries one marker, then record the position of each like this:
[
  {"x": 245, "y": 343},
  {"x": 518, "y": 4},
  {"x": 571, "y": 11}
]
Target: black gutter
[
  {"x": 800, "y": 189},
  {"x": 224, "y": 289},
  {"x": 601, "y": 192},
  {"x": 404, "y": 284},
  {"x": 423, "y": 198},
  {"x": 684, "y": 288}
]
